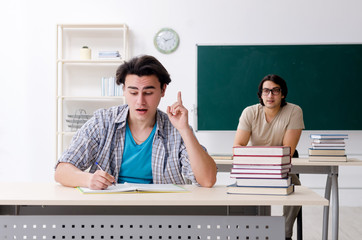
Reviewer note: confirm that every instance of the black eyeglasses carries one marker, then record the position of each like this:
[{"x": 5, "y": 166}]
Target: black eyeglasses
[{"x": 274, "y": 91}]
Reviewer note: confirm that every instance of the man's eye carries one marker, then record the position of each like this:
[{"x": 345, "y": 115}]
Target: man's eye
[
  {"x": 133, "y": 93},
  {"x": 148, "y": 93}
]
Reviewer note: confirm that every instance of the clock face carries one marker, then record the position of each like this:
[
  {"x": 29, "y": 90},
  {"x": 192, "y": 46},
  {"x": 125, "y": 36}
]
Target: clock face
[{"x": 166, "y": 40}]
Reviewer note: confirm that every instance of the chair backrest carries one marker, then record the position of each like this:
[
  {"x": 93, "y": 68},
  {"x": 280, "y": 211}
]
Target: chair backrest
[{"x": 296, "y": 154}]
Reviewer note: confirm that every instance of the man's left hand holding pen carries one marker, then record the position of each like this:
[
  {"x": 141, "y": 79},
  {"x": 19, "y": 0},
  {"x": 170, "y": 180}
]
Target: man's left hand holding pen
[{"x": 101, "y": 179}]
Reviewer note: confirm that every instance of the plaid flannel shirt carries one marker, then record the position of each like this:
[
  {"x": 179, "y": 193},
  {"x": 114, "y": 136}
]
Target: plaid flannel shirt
[{"x": 101, "y": 140}]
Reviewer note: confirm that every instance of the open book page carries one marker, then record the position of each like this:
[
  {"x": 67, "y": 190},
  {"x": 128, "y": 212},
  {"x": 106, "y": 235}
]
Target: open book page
[{"x": 133, "y": 187}]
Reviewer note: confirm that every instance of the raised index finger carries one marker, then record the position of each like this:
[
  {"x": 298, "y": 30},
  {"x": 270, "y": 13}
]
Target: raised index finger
[{"x": 179, "y": 100}]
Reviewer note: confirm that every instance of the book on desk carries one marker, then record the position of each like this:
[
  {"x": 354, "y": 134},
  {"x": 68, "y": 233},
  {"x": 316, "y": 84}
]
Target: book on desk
[
  {"x": 247, "y": 190},
  {"x": 261, "y": 150},
  {"x": 134, "y": 188},
  {"x": 261, "y": 166},
  {"x": 328, "y": 148},
  {"x": 263, "y": 172},
  {"x": 328, "y": 158},
  {"x": 262, "y": 159},
  {"x": 264, "y": 182},
  {"x": 329, "y": 136}
]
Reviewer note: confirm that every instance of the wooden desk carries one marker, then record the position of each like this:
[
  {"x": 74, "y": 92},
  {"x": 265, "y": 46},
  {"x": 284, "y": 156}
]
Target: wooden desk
[
  {"x": 39, "y": 207},
  {"x": 303, "y": 165}
]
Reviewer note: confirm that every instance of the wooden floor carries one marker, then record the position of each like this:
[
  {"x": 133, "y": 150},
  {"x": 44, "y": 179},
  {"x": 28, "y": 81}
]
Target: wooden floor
[{"x": 350, "y": 223}]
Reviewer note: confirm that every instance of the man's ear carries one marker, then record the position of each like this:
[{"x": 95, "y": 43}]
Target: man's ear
[{"x": 163, "y": 90}]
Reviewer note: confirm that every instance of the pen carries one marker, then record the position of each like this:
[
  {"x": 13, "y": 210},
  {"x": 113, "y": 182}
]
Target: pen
[{"x": 104, "y": 171}]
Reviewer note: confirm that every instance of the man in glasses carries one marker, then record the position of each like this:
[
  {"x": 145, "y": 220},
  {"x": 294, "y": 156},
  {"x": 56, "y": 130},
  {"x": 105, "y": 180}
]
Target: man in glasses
[{"x": 273, "y": 122}]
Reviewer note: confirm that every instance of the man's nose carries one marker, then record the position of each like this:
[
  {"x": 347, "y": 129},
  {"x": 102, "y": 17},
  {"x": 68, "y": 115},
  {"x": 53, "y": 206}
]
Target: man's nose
[{"x": 140, "y": 99}]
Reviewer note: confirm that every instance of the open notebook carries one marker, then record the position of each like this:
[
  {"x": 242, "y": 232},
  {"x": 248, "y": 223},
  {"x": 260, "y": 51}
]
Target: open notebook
[{"x": 133, "y": 187}]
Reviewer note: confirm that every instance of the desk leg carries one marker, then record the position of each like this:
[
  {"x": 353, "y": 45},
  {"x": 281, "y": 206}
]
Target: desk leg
[
  {"x": 327, "y": 195},
  {"x": 335, "y": 206}
]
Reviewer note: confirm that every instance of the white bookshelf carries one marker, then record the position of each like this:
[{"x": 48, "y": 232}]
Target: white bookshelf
[{"x": 79, "y": 81}]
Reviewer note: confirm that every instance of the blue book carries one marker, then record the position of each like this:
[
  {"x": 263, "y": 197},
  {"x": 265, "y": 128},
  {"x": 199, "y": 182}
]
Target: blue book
[{"x": 329, "y": 136}]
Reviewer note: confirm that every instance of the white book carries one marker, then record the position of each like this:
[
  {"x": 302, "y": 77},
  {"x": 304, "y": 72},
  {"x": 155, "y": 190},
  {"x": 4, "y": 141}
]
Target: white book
[
  {"x": 261, "y": 150},
  {"x": 266, "y": 160},
  {"x": 327, "y": 148},
  {"x": 111, "y": 86},
  {"x": 260, "y": 182},
  {"x": 341, "y": 145},
  {"x": 328, "y": 140},
  {"x": 118, "y": 90},
  {"x": 329, "y": 158},
  {"x": 136, "y": 187},
  {"x": 232, "y": 189},
  {"x": 104, "y": 85}
]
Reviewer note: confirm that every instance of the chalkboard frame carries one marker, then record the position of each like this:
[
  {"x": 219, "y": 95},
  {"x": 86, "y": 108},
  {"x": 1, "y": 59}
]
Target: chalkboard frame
[{"x": 324, "y": 79}]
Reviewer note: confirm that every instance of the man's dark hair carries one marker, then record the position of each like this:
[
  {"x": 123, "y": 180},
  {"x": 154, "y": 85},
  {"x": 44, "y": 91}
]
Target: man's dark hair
[
  {"x": 277, "y": 80},
  {"x": 143, "y": 66}
]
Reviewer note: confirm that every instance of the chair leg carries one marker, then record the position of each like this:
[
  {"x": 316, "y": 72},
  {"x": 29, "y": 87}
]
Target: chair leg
[
  {"x": 299, "y": 216},
  {"x": 300, "y": 225}
]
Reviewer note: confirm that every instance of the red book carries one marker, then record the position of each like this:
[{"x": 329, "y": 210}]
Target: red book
[
  {"x": 261, "y": 171},
  {"x": 258, "y": 175},
  {"x": 262, "y": 166}
]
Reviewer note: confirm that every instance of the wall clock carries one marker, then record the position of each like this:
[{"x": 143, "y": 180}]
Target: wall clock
[{"x": 166, "y": 40}]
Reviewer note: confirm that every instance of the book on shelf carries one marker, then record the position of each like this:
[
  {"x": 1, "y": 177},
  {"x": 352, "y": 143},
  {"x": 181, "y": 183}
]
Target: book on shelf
[
  {"x": 109, "y": 54},
  {"x": 110, "y": 88},
  {"x": 333, "y": 152},
  {"x": 328, "y": 158},
  {"x": 261, "y": 150},
  {"x": 258, "y": 175},
  {"x": 234, "y": 189},
  {"x": 262, "y": 166},
  {"x": 133, "y": 187},
  {"x": 259, "y": 171},
  {"x": 262, "y": 182},
  {"x": 257, "y": 159},
  {"x": 329, "y": 136}
]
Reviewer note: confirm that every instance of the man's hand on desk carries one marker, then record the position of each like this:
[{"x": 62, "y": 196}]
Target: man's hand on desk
[
  {"x": 100, "y": 180},
  {"x": 70, "y": 176}
]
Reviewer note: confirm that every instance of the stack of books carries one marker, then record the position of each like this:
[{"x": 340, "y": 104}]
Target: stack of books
[
  {"x": 261, "y": 170},
  {"x": 328, "y": 147}
]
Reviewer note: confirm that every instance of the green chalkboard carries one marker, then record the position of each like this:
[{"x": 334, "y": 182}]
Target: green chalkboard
[{"x": 324, "y": 80}]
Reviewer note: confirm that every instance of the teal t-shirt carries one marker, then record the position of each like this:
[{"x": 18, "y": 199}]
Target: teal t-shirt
[{"x": 136, "y": 164}]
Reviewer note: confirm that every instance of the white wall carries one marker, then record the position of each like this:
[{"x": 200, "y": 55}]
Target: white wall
[{"x": 27, "y": 47}]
